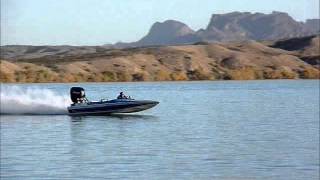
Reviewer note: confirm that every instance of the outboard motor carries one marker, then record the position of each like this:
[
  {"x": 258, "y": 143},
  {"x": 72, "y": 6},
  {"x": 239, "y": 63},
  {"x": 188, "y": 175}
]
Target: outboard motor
[{"x": 77, "y": 95}]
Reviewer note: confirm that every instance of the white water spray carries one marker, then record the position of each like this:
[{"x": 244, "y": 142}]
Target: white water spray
[{"x": 33, "y": 101}]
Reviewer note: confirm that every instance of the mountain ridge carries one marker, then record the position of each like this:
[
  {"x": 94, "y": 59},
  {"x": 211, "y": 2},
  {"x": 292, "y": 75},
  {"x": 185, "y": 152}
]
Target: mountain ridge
[{"x": 234, "y": 26}]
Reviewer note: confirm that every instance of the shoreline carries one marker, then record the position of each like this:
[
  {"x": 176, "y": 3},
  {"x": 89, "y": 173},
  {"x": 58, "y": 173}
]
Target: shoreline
[{"x": 132, "y": 82}]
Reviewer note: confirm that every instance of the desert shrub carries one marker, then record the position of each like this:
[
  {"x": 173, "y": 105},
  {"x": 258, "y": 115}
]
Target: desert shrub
[
  {"x": 280, "y": 73},
  {"x": 197, "y": 75},
  {"x": 22, "y": 76},
  {"x": 79, "y": 77},
  {"x": 143, "y": 67},
  {"x": 138, "y": 77},
  {"x": 108, "y": 76},
  {"x": 288, "y": 74},
  {"x": 160, "y": 60},
  {"x": 309, "y": 73},
  {"x": 95, "y": 77},
  {"x": 271, "y": 74},
  {"x": 67, "y": 77},
  {"x": 123, "y": 76},
  {"x": 246, "y": 73},
  {"x": 226, "y": 76},
  {"x": 90, "y": 78},
  {"x": 42, "y": 76},
  {"x": 259, "y": 74},
  {"x": 86, "y": 69},
  {"x": 218, "y": 74},
  {"x": 162, "y": 75},
  {"x": 178, "y": 76},
  {"x": 7, "y": 77}
]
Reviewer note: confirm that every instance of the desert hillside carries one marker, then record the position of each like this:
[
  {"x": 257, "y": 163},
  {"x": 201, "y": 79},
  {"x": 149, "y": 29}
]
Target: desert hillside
[{"x": 285, "y": 59}]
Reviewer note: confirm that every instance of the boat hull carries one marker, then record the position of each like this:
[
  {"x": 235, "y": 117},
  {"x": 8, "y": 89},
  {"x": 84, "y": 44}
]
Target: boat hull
[{"x": 111, "y": 107}]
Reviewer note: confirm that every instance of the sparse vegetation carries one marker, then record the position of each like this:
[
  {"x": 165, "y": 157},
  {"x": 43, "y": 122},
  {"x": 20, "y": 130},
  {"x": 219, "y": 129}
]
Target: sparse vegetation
[
  {"x": 137, "y": 77},
  {"x": 197, "y": 75},
  {"x": 309, "y": 73},
  {"x": 108, "y": 76},
  {"x": 178, "y": 76},
  {"x": 162, "y": 75},
  {"x": 229, "y": 61}
]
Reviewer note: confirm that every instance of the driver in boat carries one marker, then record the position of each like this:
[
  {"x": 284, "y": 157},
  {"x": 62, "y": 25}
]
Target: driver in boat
[{"x": 122, "y": 96}]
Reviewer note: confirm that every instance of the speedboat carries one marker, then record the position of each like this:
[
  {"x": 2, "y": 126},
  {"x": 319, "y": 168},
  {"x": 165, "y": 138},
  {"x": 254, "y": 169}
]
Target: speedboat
[{"x": 82, "y": 106}]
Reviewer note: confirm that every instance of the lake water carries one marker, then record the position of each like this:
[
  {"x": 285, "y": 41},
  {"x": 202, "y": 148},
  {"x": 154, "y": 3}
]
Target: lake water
[{"x": 200, "y": 130}]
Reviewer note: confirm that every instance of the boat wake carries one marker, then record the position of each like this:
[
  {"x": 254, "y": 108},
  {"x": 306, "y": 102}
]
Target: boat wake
[{"x": 32, "y": 101}]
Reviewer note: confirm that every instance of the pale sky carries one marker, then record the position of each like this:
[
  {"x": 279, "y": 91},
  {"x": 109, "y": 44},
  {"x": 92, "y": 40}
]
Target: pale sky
[{"x": 97, "y": 22}]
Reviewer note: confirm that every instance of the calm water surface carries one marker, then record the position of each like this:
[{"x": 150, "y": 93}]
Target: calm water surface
[{"x": 200, "y": 130}]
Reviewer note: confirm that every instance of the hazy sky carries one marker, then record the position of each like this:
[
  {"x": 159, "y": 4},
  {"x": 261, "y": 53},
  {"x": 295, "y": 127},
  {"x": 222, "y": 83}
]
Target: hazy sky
[{"x": 96, "y": 22}]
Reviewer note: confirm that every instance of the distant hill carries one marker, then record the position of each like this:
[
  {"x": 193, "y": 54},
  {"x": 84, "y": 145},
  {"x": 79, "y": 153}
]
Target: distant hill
[
  {"x": 306, "y": 48},
  {"x": 291, "y": 58},
  {"x": 235, "y": 26},
  {"x": 169, "y": 32},
  {"x": 255, "y": 26},
  {"x": 32, "y": 52}
]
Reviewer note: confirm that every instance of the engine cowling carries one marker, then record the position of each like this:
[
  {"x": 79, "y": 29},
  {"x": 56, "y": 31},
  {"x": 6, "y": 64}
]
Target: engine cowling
[{"x": 77, "y": 94}]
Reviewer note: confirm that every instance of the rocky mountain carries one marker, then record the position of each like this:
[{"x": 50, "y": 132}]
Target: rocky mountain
[
  {"x": 169, "y": 32},
  {"x": 235, "y": 26},
  {"x": 255, "y": 26},
  {"x": 313, "y": 25}
]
